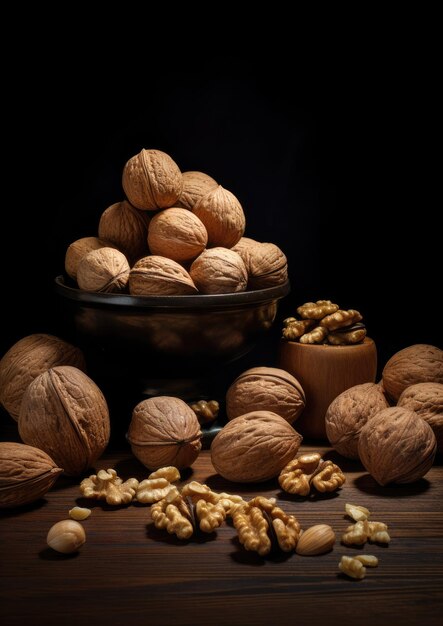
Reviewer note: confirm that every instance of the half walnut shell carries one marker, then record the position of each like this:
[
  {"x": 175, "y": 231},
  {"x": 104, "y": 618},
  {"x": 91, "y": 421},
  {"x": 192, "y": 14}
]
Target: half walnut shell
[
  {"x": 26, "y": 474},
  {"x": 159, "y": 276}
]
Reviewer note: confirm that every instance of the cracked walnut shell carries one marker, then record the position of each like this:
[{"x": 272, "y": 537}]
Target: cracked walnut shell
[
  {"x": 164, "y": 431},
  {"x": 349, "y": 412},
  {"x": 152, "y": 180},
  {"x": 396, "y": 446},
  {"x": 419, "y": 363},
  {"x": 177, "y": 234},
  {"x": 26, "y": 359},
  {"x": 223, "y": 216},
  {"x": 159, "y": 276},
  {"x": 105, "y": 270},
  {"x": 126, "y": 227},
  {"x": 219, "y": 270},
  {"x": 195, "y": 186},
  {"x": 266, "y": 389},
  {"x": 426, "y": 400},
  {"x": 26, "y": 474},
  {"x": 64, "y": 413},
  {"x": 254, "y": 447}
]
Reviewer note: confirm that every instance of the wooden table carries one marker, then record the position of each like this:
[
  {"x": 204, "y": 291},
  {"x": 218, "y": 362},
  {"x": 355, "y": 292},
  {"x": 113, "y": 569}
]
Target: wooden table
[{"x": 130, "y": 573}]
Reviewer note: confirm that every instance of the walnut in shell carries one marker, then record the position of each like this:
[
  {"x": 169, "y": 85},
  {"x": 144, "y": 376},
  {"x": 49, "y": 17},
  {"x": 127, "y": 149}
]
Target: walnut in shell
[
  {"x": 254, "y": 447},
  {"x": 152, "y": 180},
  {"x": 105, "y": 270},
  {"x": 349, "y": 412},
  {"x": 64, "y": 413},
  {"x": 266, "y": 389},
  {"x": 266, "y": 265},
  {"x": 80, "y": 248},
  {"x": 28, "y": 358},
  {"x": 164, "y": 431},
  {"x": 177, "y": 234},
  {"x": 426, "y": 400},
  {"x": 223, "y": 216},
  {"x": 396, "y": 446},
  {"x": 244, "y": 244},
  {"x": 195, "y": 186},
  {"x": 159, "y": 276},
  {"x": 419, "y": 363},
  {"x": 219, "y": 270},
  {"x": 26, "y": 474},
  {"x": 126, "y": 227}
]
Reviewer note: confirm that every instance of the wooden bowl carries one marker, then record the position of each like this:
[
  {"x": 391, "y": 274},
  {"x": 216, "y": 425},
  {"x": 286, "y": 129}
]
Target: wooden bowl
[{"x": 325, "y": 371}]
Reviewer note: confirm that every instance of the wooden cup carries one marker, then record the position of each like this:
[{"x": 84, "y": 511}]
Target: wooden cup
[{"x": 325, "y": 371}]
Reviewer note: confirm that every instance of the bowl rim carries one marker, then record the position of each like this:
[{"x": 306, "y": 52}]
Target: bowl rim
[{"x": 195, "y": 301}]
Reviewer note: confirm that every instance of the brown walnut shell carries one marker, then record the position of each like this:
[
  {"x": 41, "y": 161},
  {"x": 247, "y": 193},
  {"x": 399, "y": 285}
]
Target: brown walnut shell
[
  {"x": 195, "y": 186},
  {"x": 426, "y": 399},
  {"x": 266, "y": 389},
  {"x": 80, "y": 248},
  {"x": 65, "y": 414},
  {"x": 159, "y": 276},
  {"x": 254, "y": 447},
  {"x": 266, "y": 265},
  {"x": 419, "y": 363},
  {"x": 177, "y": 234},
  {"x": 164, "y": 431},
  {"x": 244, "y": 244},
  {"x": 152, "y": 180},
  {"x": 349, "y": 412},
  {"x": 396, "y": 446},
  {"x": 126, "y": 227},
  {"x": 223, "y": 216},
  {"x": 26, "y": 474},
  {"x": 219, "y": 270},
  {"x": 28, "y": 358},
  {"x": 104, "y": 271}
]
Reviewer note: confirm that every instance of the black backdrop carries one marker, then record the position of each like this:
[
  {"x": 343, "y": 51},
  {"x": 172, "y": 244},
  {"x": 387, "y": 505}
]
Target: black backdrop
[{"x": 328, "y": 150}]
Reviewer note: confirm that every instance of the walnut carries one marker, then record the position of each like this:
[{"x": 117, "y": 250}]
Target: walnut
[
  {"x": 348, "y": 336},
  {"x": 261, "y": 526},
  {"x": 158, "y": 276},
  {"x": 28, "y": 358},
  {"x": 153, "y": 489},
  {"x": 219, "y": 270},
  {"x": 126, "y": 227},
  {"x": 169, "y": 472},
  {"x": 310, "y": 470},
  {"x": 396, "y": 446},
  {"x": 64, "y": 413},
  {"x": 105, "y": 270},
  {"x": 349, "y": 412},
  {"x": 177, "y": 234},
  {"x": 420, "y": 363},
  {"x": 223, "y": 216},
  {"x": 195, "y": 186},
  {"x": 426, "y": 400},
  {"x": 254, "y": 447},
  {"x": 352, "y": 567},
  {"x": 196, "y": 491},
  {"x": 106, "y": 485},
  {"x": 363, "y": 531},
  {"x": 340, "y": 319},
  {"x": 80, "y": 248},
  {"x": 164, "y": 431},
  {"x": 356, "y": 512},
  {"x": 206, "y": 412},
  {"x": 243, "y": 245},
  {"x": 314, "y": 336},
  {"x": 152, "y": 180},
  {"x": 266, "y": 389},
  {"x": 294, "y": 329},
  {"x": 266, "y": 265},
  {"x": 317, "y": 310},
  {"x": 26, "y": 474}
]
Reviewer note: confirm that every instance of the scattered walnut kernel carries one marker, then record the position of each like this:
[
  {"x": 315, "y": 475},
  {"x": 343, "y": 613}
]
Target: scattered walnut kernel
[
  {"x": 357, "y": 513},
  {"x": 352, "y": 567},
  {"x": 79, "y": 513},
  {"x": 170, "y": 472},
  {"x": 106, "y": 485},
  {"x": 310, "y": 470},
  {"x": 359, "y": 533},
  {"x": 369, "y": 560},
  {"x": 206, "y": 411},
  {"x": 154, "y": 489}
]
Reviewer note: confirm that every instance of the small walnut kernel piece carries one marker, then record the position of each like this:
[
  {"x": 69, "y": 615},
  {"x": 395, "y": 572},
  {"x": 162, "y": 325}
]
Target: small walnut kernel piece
[
  {"x": 205, "y": 411},
  {"x": 210, "y": 515},
  {"x": 359, "y": 533},
  {"x": 310, "y": 470},
  {"x": 294, "y": 329},
  {"x": 106, "y": 485},
  {"x": 357, "y": 513},
  {"x": 153, "y": 490},
  {"x": 170, "y": 472},
  {"x": 352, "y": 567},
  {"x": 314, "y": 336},
  {"x": 340, "y": 318},
  {"x": 171, "y": 514},
  {"x": 369, "y": 560},
  {"x": 353, "y": 335},
  {"x": 317, "y": 310},
  {"x": 79, "y": 513}
]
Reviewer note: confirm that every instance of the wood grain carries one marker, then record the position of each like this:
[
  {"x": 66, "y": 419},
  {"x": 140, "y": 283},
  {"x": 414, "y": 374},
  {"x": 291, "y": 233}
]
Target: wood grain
[{"x": 130, "y": 573}]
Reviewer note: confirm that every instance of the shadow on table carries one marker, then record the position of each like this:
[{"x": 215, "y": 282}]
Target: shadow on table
[
  {"x": 368, "y": 484},
  {"x": 162, "y": 536},
  {"x": 48, "y": 554},
  {"x": 245, "y": 557}
]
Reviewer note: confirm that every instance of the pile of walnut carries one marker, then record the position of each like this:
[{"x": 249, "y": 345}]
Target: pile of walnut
[
  {"x": 175, "y": 234},
  {"x": 324, "y": 322}
]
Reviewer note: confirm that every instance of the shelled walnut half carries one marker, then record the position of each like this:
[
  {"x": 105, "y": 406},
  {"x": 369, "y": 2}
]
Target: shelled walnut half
[{"x": 310, "y": 470}]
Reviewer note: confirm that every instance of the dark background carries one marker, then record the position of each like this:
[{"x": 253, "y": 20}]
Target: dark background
[{"x": 328, "y": 142}]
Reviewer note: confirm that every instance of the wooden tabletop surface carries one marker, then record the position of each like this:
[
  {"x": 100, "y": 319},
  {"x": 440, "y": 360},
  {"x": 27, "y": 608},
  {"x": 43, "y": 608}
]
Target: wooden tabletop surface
[{"x": 128, "y": 572}]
